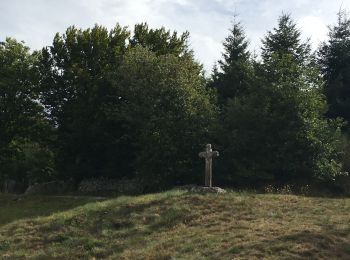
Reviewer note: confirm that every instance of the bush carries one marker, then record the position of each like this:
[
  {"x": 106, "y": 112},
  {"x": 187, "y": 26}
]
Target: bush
[{"x": 29, "y": 163}]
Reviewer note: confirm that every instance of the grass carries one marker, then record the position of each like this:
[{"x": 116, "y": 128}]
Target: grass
[
  {"x": 14, "y": 207},
  {"x": 175, "y": 225}
]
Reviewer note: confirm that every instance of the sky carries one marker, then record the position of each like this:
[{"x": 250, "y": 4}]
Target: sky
[{"x": 36, "y": 21}]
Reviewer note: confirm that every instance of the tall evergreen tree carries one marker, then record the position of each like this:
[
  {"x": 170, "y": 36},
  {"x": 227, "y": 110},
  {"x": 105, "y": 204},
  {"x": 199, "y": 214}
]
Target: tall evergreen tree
[
  {"x": 285, "y": 39},
  {"x": 308, "y": 145},
  {"x": 233, "y": 79},
  {"x": 278, "y": 131},
  {"x": 334, "y": 58},
  {"x": 233, "y": 75}
]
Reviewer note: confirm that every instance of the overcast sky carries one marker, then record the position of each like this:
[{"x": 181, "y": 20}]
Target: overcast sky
[{"x": 208, "y": 21}]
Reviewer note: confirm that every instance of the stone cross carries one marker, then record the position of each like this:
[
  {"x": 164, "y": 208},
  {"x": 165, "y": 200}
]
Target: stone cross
[{"x": 208, "y": 155}]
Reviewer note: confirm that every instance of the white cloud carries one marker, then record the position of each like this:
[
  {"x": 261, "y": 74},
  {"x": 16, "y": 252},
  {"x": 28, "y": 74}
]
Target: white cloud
[
  {"x": 312, "y": 25},
  {"x": 207, "y": 49}
]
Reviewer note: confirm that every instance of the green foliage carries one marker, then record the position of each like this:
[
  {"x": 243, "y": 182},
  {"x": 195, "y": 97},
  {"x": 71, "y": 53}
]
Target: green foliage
[
  {"x": 121, "y": 104},
  {"x": 160, "y": 40},
  {"x": 77, "y": 74},
  {"x": 21, "y": 115},
  {"x": 293, "y": 73},
  {"x": 233, "y": 77},
  {"x": 30, "y": 162},
  {"x": 169, "y": 113},
  {"x": 17, "y": 94},
  {"x": 123, "y": 108},
  {"x": 334, "y": 58},
  {"x": 276, "y": 131},
  {"x": 285, "y": 39}
]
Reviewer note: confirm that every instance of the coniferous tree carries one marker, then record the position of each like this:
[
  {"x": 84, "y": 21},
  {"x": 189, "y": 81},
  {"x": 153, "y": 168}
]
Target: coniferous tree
[
  {"x": 278, "y": 131},
  {"x": 334, "y": 58},
  {"x": 285, "y": 40},
  {"x": 232, "y": 77},
  {"x": 307, "y": 144}
]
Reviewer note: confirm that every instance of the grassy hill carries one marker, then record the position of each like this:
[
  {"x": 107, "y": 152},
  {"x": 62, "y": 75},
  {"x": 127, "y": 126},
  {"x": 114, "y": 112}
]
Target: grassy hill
[{"x": 175, "y": 225}]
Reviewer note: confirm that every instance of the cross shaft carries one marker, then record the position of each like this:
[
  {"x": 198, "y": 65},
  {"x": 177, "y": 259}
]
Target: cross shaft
[{"x": 208, "y": 155}]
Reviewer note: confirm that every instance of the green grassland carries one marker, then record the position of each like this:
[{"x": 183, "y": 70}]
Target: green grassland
[{"x": 175, "y": 225}]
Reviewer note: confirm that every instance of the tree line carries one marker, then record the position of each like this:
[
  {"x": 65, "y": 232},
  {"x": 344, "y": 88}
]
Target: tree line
[{"x": 127, "y": 104}]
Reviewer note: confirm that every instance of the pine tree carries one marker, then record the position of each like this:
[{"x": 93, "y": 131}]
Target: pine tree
[
  {"x": 277, "y": 132},
  {"x": 284, "y": 41},
  {"x": 307, "y": 144},
  {"x": 232, "y": 77},
  {"x": 334, "y": 58},
  {"x": 235, "y": 47}
]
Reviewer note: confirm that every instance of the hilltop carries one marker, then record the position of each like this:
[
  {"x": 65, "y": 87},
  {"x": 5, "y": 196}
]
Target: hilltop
[{"x": 175, "y": 225}]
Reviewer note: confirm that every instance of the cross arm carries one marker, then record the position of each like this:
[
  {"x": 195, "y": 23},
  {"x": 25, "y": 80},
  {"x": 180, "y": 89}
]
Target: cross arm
[
  {"x": 215, "y": 154},
  {"x": 202, "y": 154}
]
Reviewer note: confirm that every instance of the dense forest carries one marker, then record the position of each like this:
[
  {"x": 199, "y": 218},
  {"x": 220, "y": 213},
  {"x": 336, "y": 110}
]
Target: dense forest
[{"x": 136, "y": 104}]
